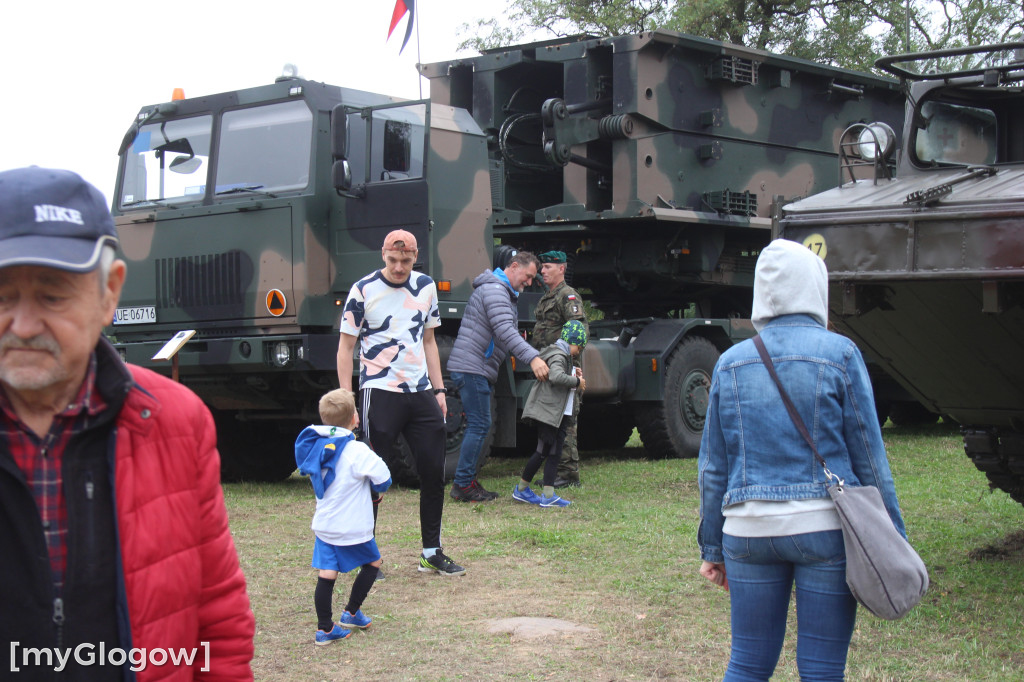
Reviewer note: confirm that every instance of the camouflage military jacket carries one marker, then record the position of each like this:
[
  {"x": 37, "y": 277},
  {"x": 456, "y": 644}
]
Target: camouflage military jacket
[{"x": 555, "y": 308}]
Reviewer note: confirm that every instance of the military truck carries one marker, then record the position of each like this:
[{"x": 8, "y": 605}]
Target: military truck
[
  {"x": 926, "y": 268},
  {"x": 652, "y": 160}
]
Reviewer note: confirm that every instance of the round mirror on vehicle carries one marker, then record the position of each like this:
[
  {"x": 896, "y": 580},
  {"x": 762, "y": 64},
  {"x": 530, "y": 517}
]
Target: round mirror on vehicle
[{"x": 876, "y": 132}]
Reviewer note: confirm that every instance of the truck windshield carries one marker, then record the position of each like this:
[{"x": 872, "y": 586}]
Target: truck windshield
[
  {"x": 265, "y": 149},
  {"x": 955, "y": 134},
  {"x": 168, "y": 162}
]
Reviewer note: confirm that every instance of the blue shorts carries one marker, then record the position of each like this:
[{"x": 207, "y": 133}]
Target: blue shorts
[{"x": 343, "y": 558}]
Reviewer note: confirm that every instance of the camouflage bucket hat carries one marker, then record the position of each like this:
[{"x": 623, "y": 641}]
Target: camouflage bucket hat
[{"x": 574, "y": 333}]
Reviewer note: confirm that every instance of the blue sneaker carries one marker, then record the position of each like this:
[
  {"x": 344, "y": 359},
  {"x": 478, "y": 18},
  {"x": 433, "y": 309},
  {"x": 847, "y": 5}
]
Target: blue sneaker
[
  {"x": 336, "y": 633},
  {"x": 553, "y": 501},
  {"x": 354, "y": 620},
  {"x": 526, "y": 495}
]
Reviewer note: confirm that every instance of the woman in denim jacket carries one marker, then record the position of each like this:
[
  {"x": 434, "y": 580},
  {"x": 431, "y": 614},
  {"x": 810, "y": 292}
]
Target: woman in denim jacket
[{"x": 766, "y": 518}]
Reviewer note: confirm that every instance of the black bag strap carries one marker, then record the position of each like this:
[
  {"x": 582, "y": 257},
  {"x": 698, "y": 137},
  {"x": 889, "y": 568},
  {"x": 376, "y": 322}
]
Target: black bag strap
[{"x": 793, "y": 414}]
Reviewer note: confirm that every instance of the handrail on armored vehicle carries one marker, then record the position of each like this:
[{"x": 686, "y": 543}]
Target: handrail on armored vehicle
[
  {"x": 866, "y": 144},
  {"x": 1014, "y": 66}
]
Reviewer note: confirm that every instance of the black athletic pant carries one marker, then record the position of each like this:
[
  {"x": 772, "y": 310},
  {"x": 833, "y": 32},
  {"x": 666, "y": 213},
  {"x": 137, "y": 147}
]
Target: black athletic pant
[
  {"x": 549, "y": 451},
  {"x": 416, "y": 416}
]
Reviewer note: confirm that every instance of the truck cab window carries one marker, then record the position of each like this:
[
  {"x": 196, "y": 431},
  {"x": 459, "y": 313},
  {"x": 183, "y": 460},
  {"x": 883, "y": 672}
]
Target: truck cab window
[
  {"x": 955, "y": 134},
  {"x": 167, "y": 162},
  {"x": 396, "y": 144},
  {"x": 265, "y": 148}
]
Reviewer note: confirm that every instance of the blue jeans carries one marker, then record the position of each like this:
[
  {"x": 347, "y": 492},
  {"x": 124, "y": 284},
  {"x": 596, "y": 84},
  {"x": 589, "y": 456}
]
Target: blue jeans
[
  {"x": 475, "y": 394},
  {"x": 761, "y": 573}
]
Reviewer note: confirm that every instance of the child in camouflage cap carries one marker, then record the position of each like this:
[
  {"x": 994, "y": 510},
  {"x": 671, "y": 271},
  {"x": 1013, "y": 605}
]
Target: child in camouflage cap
[{"x": 549, "y": 406}]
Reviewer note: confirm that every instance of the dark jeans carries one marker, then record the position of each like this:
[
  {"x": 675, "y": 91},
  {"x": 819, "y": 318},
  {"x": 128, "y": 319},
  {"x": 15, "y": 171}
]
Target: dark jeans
[
  {"x": 416, "y": 416},
  {"x": 549, "y": 451},
  {"x": 761, "y": 573},
  {"x": 475, "y": 393}
]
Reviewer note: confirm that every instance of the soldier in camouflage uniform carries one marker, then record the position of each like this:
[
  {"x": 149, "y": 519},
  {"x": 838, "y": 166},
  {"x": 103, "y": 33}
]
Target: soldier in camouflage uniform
[{"x": 560, "y": 304}]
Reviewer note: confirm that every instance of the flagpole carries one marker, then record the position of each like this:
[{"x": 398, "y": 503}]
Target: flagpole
[{"x": 419, "y": 59}]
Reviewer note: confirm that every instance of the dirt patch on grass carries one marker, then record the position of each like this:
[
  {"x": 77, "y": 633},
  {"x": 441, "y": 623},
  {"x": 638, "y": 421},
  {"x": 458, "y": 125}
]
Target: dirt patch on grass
[{"x": 1010, "y": 547}]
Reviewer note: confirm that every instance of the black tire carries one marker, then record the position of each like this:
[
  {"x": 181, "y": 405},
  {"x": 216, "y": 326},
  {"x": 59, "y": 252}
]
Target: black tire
[
  {"x": 1009, "y": 483},
  {"x": 404, "y": 472},
  {"x": 673, "y": 427},
  {"x": 604, "y": 427},
  {"x": 882, "y": 411},
  {"x": 255, "y": 450},
  {"x": 909, "y": 413}
]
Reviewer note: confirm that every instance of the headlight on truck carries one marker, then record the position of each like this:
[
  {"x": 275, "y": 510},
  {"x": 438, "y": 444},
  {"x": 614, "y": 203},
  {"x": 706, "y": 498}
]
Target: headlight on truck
[
  {"x": 282, "y": 354},
  {"x": 885, "y": 137}
]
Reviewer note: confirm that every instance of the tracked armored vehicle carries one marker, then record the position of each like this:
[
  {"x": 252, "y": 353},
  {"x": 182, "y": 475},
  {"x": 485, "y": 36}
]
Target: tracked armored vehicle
[
  {"x": 926, "y": 267},
  {"x": 652, "y": 160}
]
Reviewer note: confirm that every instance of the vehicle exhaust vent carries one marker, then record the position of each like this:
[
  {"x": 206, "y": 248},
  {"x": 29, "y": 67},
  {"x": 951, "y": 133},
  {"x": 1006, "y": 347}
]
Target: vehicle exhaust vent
[
  {"x": 205, "y": 281},
  {"x": 735, "y": 70},
  {"x": 732, "y": 203}
]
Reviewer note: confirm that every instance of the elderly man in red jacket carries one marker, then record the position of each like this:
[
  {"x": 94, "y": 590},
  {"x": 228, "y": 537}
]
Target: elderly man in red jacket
[{"x": 116, "y": 560}]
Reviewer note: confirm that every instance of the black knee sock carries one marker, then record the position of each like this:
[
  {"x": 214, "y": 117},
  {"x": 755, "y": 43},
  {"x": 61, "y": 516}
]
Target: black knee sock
[
  {"x": 322, "y": 601},
  {"x": 361, "y": 587}
]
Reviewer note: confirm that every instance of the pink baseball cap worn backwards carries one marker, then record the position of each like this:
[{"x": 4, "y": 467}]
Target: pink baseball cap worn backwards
[
  {"x": 52, "y": 218},
  {"x": 400, "y": 240}
]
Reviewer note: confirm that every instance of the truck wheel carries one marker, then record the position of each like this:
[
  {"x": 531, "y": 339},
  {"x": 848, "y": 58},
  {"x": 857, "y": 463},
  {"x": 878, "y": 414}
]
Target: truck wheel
[
  {"x": 404, "y": 472},
  {"x": 256, "y": 450},
  {"x": 604, "y": 428},
  {"x": 1011, "y": 484},
  {"x": 673, "y": 427}
]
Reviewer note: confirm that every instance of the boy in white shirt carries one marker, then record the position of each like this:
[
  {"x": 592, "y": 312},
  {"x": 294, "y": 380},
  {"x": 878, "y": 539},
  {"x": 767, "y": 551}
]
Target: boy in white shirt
[{"x": 343, "y": 472}]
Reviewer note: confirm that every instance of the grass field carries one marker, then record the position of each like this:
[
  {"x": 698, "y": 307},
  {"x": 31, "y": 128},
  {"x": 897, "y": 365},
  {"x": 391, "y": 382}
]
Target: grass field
[{"x": 622, "y": 562}]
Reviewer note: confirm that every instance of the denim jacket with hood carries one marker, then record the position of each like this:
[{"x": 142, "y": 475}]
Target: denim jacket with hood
[{"x": 751, "y": 450}]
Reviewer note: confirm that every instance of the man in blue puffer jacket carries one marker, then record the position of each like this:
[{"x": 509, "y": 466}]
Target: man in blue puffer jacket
[{"x": 489, "y": 333}]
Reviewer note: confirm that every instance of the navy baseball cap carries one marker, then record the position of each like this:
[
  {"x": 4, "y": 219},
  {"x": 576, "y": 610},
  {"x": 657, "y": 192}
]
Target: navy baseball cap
[{"x": 52, "y": 218}]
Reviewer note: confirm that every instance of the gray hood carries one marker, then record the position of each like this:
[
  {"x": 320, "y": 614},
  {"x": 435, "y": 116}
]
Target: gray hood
[{"x": 789, "y": 279}]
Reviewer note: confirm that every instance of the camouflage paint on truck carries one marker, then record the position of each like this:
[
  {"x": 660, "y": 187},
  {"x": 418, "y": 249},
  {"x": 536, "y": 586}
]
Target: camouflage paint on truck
[
  {"x": 927, "y": 269},
  {"x": 652, "y": 160}
]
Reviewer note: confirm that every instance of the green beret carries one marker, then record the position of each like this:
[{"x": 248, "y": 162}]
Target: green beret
[{"x": 552, "y": 257}]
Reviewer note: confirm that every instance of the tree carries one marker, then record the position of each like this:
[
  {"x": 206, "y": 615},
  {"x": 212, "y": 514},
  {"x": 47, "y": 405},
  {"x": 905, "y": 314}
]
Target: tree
[{"x": 847, "y": 33}]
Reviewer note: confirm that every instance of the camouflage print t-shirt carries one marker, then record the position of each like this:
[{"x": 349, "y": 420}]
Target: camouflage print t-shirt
[{"x": 389, "y": 320}]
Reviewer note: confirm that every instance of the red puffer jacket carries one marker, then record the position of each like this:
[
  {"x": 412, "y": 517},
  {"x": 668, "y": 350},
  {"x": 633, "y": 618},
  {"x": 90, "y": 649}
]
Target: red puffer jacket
[{"x": 183, "y": 582}]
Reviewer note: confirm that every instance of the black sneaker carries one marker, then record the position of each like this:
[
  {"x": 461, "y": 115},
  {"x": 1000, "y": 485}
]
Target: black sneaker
[
  {"x": 471, "y": 493},
  {"x": 567, "y": 483},
  {"x": 488, "y": 493},
  {"x": 440, "y": 564}
]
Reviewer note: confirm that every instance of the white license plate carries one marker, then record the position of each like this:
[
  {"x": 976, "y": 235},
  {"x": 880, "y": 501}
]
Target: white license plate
[{"x": 144, "y": 315}]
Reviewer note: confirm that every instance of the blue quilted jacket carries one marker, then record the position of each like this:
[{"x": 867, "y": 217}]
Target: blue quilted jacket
[{"x": 490, "y": 330}]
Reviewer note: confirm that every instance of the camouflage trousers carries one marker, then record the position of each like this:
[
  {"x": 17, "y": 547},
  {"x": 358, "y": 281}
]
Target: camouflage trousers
[{"x": 569, "y": 465}]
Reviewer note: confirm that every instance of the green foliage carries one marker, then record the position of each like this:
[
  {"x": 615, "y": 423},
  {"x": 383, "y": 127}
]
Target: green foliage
[{"x": 847, "y": 33}]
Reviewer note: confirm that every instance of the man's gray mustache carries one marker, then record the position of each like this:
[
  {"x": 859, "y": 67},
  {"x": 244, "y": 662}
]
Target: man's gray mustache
[{"x": 9, "y": 341}]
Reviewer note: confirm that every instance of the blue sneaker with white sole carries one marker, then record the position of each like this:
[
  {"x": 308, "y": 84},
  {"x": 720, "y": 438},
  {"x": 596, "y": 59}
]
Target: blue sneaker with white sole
[
  {"x": 527, "y": 495},
  {"x": 336, "y": 633},
  {"x": 355, "y": 620},
  {"x": 554, "y": 501}
]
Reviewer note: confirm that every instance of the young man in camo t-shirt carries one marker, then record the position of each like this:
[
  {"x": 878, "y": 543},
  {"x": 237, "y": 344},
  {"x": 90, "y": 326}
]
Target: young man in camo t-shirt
[{"x": 393, "y": 313}]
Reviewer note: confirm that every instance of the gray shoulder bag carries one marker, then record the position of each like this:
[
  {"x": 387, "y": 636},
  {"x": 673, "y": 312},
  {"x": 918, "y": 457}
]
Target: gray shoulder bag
[{"x": 883, "y": 571}]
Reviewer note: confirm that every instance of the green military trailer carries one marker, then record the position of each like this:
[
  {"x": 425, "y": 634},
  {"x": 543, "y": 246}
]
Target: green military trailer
[
  {"x": 654, "y": 161},
  {"x": 926, "y": 268}
]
